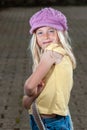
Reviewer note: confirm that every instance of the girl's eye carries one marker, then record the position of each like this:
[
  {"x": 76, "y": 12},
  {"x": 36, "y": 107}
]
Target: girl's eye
[
  {"x": 39, "y": 33},
  {"x": 52, "y": 31}
]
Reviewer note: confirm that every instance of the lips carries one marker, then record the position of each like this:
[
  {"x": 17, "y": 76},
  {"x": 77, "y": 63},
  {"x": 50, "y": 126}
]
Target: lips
[{"x": 47, "y": 42}]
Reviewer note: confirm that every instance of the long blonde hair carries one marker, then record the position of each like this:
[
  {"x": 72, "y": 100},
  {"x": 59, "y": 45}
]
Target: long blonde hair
[
  {"x": 35, "y": 51},
  {"x": 65, "y": 42}
]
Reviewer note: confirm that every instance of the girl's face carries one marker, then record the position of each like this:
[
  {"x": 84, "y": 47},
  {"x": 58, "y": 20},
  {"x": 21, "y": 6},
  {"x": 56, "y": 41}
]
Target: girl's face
[{"x": 46, "y": 36}]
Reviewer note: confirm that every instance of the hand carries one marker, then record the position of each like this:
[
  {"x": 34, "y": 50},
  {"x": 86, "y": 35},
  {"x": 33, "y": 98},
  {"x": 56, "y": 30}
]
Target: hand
[
  {"x": 27, "y": 101},
  {"x": 40, "y": 87}
]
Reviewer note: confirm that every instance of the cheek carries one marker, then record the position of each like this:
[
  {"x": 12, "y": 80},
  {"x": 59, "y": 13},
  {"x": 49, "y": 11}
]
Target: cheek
[
  {"x": 38, "y": 39},
  {"x": 57, "y": 39},
  {"x": 38, "y": 42}
]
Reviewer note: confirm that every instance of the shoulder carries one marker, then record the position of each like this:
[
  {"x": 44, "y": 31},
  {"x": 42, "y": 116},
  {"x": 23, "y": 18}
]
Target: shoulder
[
  {"x": 47, "y": 57},
  {"x": 56, "y": 48},
  {"x": 51, "y": 57}
]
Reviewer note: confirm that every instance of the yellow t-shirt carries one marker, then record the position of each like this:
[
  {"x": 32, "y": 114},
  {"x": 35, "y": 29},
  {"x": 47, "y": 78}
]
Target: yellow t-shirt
[{"x": 55, "y": 97}]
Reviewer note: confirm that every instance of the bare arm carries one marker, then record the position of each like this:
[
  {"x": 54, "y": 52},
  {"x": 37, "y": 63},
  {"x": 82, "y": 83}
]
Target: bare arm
[{"x": 31, "y": 85}]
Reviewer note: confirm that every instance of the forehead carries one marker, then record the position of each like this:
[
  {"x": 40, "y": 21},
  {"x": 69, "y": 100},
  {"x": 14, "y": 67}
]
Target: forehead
[{"x": 44, "y": 28}]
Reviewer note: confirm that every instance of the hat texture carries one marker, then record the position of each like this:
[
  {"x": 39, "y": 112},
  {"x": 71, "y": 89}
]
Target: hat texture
[{"x": 48, "y": 17}]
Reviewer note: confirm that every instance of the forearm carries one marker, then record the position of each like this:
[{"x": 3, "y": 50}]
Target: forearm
[
  {"x": 29, "y": 92},
  {"x": 27, "y": 101},
  {"x": 33, "y": 90}
]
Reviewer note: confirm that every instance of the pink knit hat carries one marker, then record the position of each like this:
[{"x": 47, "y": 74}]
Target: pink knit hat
[{"x": 48, "y": 17}]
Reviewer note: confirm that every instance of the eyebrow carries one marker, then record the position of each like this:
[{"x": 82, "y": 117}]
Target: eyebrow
[{"x": 42, "y": 30}]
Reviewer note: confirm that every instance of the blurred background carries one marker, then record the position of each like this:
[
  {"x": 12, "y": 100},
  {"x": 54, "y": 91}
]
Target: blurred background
[
  {"x": 7, "y": 3},
  {"x": 16, "y": 63}
]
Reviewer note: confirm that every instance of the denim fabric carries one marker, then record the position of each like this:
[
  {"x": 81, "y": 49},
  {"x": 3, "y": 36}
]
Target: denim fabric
[{"x": 57, "y": 123}]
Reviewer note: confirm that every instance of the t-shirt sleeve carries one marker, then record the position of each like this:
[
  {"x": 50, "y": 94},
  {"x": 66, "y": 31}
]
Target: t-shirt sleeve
[{"x": 55, "y": 48}]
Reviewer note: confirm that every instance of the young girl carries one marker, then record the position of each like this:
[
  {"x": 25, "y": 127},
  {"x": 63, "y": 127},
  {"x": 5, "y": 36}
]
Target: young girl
[{"x": 53, "y": 63}]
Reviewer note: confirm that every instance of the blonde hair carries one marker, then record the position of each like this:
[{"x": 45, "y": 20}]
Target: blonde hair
[
  {"x": 65, "y": 42},
  {"x": 35, "y": 51}
]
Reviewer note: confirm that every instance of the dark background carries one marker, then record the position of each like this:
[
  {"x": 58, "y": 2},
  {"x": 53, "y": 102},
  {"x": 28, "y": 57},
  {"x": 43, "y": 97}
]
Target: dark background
[{"x": 15, "y": 3}]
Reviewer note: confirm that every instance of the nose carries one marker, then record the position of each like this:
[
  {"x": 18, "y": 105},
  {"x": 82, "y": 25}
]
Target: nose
[{"x": 46, "y": 36}]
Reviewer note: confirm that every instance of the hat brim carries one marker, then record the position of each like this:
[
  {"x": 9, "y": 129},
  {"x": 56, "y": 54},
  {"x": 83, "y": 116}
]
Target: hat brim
[{"x": 58, "y": 27}]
